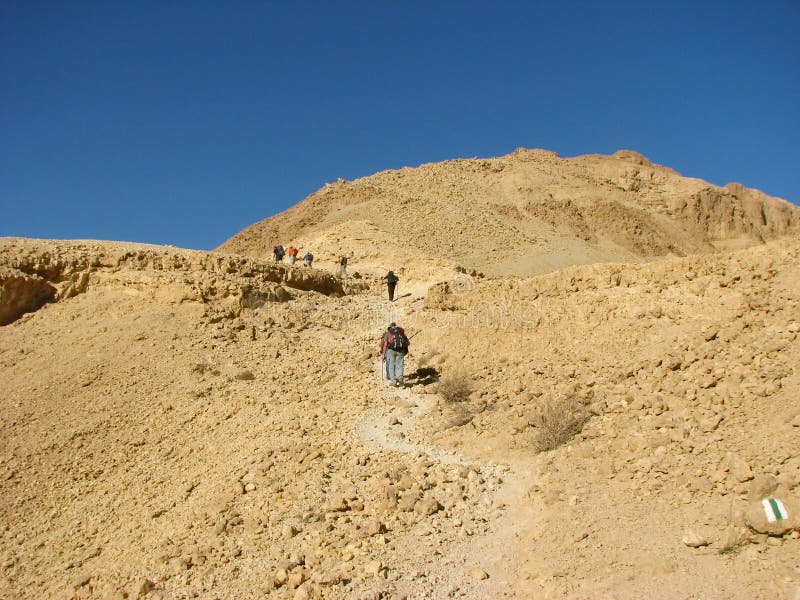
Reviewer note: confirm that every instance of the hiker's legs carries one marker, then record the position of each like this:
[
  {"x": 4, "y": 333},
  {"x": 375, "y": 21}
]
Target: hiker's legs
[
  {"x": 395, "y": 362},
  {"x": 398, "y": 368},
  {"x": 391, "y": 291},
  {"x": 390, "y": 358},
  {"x": 291, "y": 259}
]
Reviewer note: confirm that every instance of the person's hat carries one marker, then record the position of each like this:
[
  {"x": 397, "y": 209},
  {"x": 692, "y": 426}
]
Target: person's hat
[{"x": 392, "y": 324}]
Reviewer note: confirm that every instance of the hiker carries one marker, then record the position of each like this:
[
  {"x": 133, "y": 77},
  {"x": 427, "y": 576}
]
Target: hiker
[
  {"x": 308, "y": 259},
  {"x": 278, "y": 251},
  {"x": 394, "y": 347},
  {"x": 292, "y": 254},
  {"x": 391, "y": 283},
  {"x": 342, "y": 270}
]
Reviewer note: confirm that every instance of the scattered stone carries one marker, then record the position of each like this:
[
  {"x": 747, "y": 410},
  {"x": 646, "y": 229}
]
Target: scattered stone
[
  {"x": 694, "y": 539},
  {"x": 478, "y": 574},
  {"x": 427, "y": 506},
  {"x": 296, "y": 579},
  {"x": 245, "y": 375},
  {"x": 739, "y": 468},
  {"x": 373, "y": 567},
  {"x": 762, "y": 487}
]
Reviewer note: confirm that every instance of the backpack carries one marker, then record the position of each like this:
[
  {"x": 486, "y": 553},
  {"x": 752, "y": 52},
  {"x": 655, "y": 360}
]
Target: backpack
[
  {"x": 397, "y": 340},
  {"x": 279, "y": 250}
]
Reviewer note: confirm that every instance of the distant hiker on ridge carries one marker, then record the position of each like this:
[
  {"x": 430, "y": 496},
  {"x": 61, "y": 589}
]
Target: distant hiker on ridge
[
  {"x": 292, "y": 254},
  {"x": 278, "y": 251},
  {"x": 308, "y": 259},
  {"x": 394, "y": 347},
  {"x": 342, "y": 270},
  {"x": 391, "y": 283}
]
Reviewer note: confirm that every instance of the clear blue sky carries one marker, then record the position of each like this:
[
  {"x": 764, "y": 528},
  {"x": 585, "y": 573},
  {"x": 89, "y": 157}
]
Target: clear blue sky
[{"x": 183, "y": 122}]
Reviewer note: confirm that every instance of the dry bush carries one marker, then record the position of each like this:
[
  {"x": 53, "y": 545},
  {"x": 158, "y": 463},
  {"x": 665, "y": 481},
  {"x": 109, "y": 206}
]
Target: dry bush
[
  {"x": 455, "y": 388},
  {"x": 557, "y": 421}
]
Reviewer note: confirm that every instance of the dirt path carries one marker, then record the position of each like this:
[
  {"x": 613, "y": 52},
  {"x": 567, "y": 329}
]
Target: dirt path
[{"x": 389, "y": 427}]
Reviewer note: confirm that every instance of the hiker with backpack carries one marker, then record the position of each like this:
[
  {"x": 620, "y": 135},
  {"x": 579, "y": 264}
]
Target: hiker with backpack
[
  {"x": 342, "y": 270},
  {"x": 292, "y": 254},
  {"x": 278, "y": 251},
  {"x": 394, "y": 347},
  {"x": 308, "y": 259},
  {"x": 391, "y": 284}
]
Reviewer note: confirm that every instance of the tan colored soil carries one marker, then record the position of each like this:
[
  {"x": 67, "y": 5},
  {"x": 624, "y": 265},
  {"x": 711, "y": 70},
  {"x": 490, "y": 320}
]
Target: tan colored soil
[{"x": 181, "y": 424}]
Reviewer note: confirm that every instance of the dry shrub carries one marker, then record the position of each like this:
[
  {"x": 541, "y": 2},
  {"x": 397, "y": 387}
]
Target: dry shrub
[
  {"x": 455, "y": 388},
  {"x": 557, "y": 421}
]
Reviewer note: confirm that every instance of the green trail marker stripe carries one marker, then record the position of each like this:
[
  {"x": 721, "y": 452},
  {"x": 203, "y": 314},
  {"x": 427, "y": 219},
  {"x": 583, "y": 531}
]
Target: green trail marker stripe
[{"x": 778, "y": 508}]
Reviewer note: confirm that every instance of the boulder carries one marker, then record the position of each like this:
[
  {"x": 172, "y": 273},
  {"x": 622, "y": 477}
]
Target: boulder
[{"x": 773, "y": 516}]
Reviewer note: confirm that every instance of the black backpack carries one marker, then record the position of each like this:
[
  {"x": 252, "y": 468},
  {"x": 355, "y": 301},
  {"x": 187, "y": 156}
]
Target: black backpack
[{"x": 397, "y": 339}]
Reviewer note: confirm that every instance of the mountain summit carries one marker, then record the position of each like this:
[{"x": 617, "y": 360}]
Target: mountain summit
[{"x": 526, "y": 213}]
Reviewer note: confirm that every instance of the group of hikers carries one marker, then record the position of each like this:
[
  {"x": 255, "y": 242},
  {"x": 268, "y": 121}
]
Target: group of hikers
[
  {"x": 341, "y": 265},
  {"x": 279, "y": 252},
  {"x": 394, "y": 343}
]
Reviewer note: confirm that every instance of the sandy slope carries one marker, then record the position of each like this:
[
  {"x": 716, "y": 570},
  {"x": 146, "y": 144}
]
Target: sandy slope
[
  {"x": 186, "y": 424},
  {"x": 526, "y": 213}
]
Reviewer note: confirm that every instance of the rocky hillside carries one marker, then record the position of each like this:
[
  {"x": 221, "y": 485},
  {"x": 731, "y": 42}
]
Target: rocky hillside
[
  {"x": 181, "y": 424},
  {"x": 526, "y": 213}
]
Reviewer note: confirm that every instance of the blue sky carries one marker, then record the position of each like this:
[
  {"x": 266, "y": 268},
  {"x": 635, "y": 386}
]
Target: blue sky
[{"x": 184, "y": 122}]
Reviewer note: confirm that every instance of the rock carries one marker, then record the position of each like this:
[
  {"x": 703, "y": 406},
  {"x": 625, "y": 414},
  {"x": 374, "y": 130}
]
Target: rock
[
  {"x": 739, "y": 468},
  {"x": 245, "y": 375},
  {"x": 407, "y": 502},
  {"x": 301, "y": 593},
  {"x": 295, "y": 580},
  {"x": 710, "y": 424},
  {"x": 141, "y": 587},
  {"x": 373, "y": 567},
  {"x": 337, "y": 503},
  {"x": 374, "y": 527},
  {"x": 773, "y": 516},
  {"x": 478, "y": 574},
  {"x": 81, "y": 580},
  {"x": 21, "y": 293},
  {"x": 762, "y": 487},
  {"x": 427, "y": 506},
  {"x": 694, "y": 539}
]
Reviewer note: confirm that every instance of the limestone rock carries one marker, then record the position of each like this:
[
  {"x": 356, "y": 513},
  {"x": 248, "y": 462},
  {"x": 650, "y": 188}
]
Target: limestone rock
[
  {"x": 478, "y": 574},
  {"x": 773, "y": 516},
  {"x": 695, "y": 540},
  {"x": 761, "y": 487}
]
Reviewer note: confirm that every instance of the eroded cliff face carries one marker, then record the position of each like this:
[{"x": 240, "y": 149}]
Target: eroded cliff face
[{"x": 36, "y": 272}]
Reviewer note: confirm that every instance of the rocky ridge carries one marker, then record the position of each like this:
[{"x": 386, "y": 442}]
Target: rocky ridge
[{"x": 526, "y": 213}]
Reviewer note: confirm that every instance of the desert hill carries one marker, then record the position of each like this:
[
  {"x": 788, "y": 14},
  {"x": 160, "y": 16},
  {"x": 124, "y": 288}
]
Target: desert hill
[
  {"x": 526, "y": 213},
  {"x": 182, "y": 424},
  {"x": 612, "y": 413}
]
